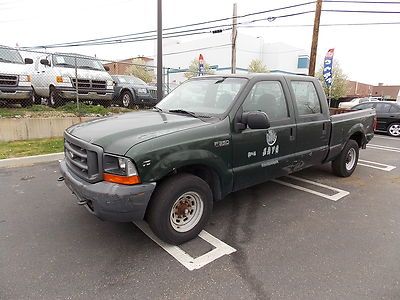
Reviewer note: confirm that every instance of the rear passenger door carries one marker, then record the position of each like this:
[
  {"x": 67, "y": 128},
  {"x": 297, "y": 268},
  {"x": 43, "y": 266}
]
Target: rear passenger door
[
  {"x": 313, "y": 122},
  {"x": 262, "y": 154},
  {"x": 383, "y": 115}
]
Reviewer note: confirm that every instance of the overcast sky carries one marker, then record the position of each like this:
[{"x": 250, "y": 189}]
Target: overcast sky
[{"x": 367, "y": 54}]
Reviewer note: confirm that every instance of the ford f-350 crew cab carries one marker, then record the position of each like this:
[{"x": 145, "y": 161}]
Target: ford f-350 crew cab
[
  {"x": 211, "y": 136},
  {"x": 15, "y": 79},
  {"x": 54, "y": 78}
]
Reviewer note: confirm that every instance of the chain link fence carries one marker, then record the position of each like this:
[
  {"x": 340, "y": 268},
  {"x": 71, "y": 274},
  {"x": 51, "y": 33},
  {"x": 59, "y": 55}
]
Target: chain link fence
[{"x": 40, "y": 80}]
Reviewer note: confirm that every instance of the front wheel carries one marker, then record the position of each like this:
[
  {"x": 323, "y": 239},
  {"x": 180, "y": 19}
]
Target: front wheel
[
  {"x": 126, "y": 99},
  {"x": 180, "y": 208},
  {"x": 55, "y": 99},
  {"x": 345, "y": 164},
  {"x": 394, "y": 129}
]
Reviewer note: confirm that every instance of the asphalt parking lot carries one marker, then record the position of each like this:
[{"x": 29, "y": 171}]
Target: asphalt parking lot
[{"x": 289, "y": 240}]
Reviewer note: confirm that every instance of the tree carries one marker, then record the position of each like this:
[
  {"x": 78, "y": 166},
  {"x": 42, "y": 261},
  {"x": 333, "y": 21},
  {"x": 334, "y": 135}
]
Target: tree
[
  {"x": 339, "y": 82},
  {"x": 138, "y": 69},
  {"x": 257, "y": 66},
  {"x": 194, "y": 69}
]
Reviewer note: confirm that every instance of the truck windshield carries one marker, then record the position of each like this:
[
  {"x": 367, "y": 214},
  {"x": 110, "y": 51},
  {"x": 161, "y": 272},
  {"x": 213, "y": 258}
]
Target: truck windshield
[
  {"x": 208, "y": 96},
  {"x": 10, "y": 56},
  {"x": 82, "y": 62}
]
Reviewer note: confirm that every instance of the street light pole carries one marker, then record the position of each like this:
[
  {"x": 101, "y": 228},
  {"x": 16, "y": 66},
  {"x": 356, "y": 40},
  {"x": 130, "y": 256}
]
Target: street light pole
[{"x": 159, "y": 52}]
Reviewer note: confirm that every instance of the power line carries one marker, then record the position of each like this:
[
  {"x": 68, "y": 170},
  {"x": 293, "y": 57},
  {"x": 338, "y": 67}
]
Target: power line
[
  {"x": 175, "y": 27},
  {"x": 361, "y": 2},
  {"x": 361, "y": 11},
  {"x": 325, "y": 25}
]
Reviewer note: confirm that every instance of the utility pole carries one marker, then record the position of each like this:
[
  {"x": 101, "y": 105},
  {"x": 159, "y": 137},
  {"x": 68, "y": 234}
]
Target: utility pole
[
  {"x": 234, "y": 36},
  {"x": 159, "y": 52},
  {"x": 314, "y": 44}
]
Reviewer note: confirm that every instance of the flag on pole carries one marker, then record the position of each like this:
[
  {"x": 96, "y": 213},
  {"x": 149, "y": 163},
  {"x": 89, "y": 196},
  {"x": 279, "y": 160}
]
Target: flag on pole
[
  {"x": 328, "y": 67},
  {"x": 201, "y": 65}
]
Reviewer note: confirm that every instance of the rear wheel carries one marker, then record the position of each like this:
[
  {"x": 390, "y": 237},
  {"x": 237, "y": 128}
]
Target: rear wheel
[
  {"x": 345, "y": 164},
  {"x": 394, "y": 129},
  {"x": 180, "y": 208}
]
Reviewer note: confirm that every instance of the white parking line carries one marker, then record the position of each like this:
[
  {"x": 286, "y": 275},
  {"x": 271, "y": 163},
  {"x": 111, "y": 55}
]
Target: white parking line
[
  {"x": 385, "y": 148},
  {"x": 339, "y": 195},
  {"x": 387, "y": 138},
  {"x": 375, "y": 165},
  {"x": 191, "y": 263}
]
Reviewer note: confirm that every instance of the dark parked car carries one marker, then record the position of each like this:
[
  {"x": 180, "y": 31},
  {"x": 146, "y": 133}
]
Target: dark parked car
[
  {"x": 387, "y": 114},
  {"x": 130, "y": 91}
]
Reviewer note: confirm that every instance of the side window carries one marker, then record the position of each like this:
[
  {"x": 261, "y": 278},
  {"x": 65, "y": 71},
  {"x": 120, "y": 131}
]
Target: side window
[
  {"x": 306, "y": 97},
  {"x": 363, "y": 106},
  {"x": 383, "y": 107},
  {"x": 267, "y": 96},
  {"x": 394, "y": 109}
]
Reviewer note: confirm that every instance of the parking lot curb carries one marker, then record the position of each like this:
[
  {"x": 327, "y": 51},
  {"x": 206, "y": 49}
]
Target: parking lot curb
[{"x": 30, "y": 160}]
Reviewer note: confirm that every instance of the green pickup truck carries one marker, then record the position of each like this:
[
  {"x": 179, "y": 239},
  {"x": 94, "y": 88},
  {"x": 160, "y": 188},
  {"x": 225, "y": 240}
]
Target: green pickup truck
[{"x": 211, "y": 136}]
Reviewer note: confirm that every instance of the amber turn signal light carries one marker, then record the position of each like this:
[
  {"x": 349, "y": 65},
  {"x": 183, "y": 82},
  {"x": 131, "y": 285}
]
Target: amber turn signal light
[{"x": 129, "y": 180}]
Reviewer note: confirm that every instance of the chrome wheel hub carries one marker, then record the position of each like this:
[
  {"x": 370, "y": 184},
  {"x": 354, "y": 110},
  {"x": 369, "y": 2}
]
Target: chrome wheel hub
[
  {"x": 186, "y": 212},
  {"x": 350, "y": 159}
]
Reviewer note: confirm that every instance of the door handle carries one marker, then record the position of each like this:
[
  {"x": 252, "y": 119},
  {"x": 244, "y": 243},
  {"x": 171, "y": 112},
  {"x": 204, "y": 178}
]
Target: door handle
[
  {"x": 291, "y": 134},
  {"x": 324, "y": 128}
]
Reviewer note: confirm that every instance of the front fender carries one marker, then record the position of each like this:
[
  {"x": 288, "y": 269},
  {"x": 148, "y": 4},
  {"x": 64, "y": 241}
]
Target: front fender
[{"x": 183, "y": 158}]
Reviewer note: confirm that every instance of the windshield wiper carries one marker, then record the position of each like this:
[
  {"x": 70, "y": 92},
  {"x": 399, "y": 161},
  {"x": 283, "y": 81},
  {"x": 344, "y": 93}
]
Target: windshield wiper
[
  {"x": 65, "y": 65},
  {"x": 6, "y": 60},
  {"x": 157, "y": 109},
  {"x": 182, "y": 111}
]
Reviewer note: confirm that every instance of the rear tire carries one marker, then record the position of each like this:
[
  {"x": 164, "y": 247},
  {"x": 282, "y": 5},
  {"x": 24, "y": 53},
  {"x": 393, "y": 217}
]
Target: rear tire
[
  {"x": 394, "y": 129},
  {"x": 180, "y": 208},
  {"x": 345, "y": 164}
]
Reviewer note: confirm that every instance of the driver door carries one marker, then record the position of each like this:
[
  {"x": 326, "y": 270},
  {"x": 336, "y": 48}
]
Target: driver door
[{"x": 262, "y": 154}]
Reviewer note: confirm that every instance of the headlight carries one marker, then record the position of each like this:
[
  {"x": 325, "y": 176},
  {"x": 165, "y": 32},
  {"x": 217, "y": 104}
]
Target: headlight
[
  {"x": 110, "y": 82},
  {"x": 63, "y": 79},
  {"x": 119, "y": 169},
  {"x": 142, "y": 91},
  {"x": 24, "y": 78}
]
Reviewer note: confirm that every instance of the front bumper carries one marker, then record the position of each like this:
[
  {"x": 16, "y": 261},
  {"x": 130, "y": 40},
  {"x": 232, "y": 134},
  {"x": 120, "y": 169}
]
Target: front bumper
[
  {"x": 146, "y": 100},
  {"x": 110, "y": 201},
  {"x": 15, "y": 93},
  {"x": 70, "y": 93}
]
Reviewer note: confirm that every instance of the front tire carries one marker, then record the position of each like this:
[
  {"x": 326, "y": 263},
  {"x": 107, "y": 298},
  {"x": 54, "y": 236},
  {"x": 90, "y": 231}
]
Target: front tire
[
  {"x": 54, "y": 99},
  {"x": 394, "y": 129},
  {"x": 27, "y": 102},
  {"x": 180, "y": 208},
  {"x": 345, "y": 164},
  {"x": 127, "y": 99}
]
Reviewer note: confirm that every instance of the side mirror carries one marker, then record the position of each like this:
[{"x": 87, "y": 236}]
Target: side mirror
[
  {"x": 256, "y": 120},
  {"x": 45, "y": 62},
  {"x": 107, "y": 68},
  {"x": 28, "y": 61}
]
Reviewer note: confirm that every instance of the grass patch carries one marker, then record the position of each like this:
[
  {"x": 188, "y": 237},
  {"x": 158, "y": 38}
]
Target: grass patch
[
  {"x": 69, "y": 109},
  {"x": 30, "y": 147}
]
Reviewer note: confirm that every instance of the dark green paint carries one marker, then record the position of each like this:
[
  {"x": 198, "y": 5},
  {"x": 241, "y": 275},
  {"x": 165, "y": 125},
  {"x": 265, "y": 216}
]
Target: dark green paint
[{"x": 160, "y": 143}]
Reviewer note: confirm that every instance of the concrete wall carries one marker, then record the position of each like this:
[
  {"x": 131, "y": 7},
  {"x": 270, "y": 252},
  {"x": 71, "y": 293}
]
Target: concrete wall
[{"x": 36, "y": 128}]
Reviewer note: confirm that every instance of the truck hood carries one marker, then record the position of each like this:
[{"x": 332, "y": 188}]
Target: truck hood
[
  {"x": 85, "y": 74},
  {"x": 117, "y": 134},
  {"x": 15, "y": 69}
]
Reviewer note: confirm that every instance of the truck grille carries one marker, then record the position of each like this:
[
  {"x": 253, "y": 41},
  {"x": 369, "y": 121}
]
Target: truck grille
[
  {"x": 90, "y": 84},
  {"x": 8, "y": 80},
  {"x": 84, "y": 159},
  {"x": 153, "y": 93}
]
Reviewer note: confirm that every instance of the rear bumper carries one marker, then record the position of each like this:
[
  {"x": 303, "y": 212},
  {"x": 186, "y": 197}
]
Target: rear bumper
[
  {"x": 70, "y": 93},
  {"x": 109, "y": 201},
  {"x": 15, "y": 93}
]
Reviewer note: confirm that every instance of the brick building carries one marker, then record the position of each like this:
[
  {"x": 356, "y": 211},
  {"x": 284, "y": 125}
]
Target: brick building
[
  {"x": 122, "y": 67},
  {"x": 357, "y": 90}
]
